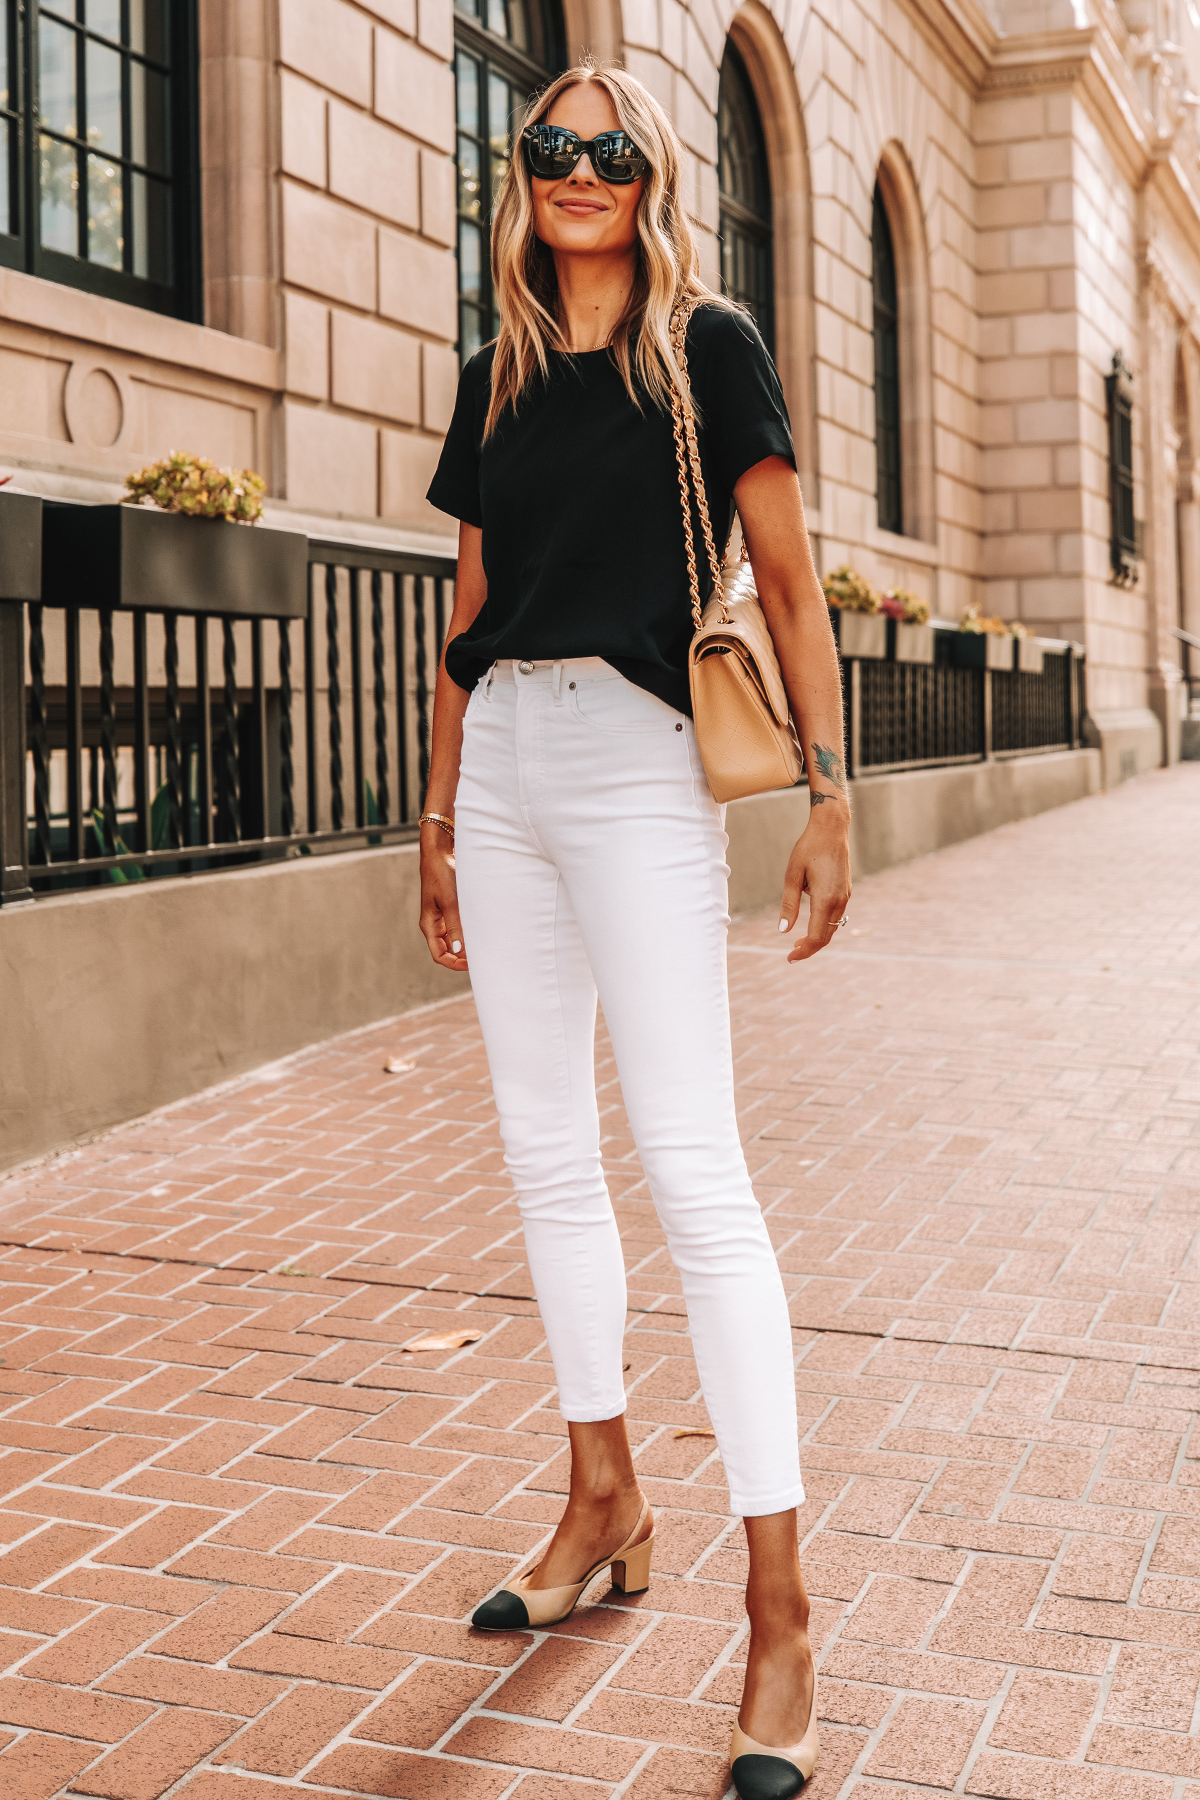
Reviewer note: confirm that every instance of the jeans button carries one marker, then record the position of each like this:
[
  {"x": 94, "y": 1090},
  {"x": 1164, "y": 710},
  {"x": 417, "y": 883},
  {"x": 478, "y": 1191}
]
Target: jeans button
[{"x": 526, "y": 668}]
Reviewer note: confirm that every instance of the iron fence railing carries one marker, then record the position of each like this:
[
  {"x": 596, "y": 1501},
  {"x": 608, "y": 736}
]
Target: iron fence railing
[
  {"x": 1191, "y": 670},
  {"x": 160, "y": 743},
  {"x": 902, "y": 716},
  {"x": 137, "y": 742}
]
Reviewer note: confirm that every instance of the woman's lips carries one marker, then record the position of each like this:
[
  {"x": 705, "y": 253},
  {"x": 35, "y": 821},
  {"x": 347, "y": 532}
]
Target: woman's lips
[{"x": 580, "y": 206}]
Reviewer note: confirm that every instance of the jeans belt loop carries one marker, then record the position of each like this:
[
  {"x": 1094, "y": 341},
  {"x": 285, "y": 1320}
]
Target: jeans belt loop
[
  {"x": 487, "y": 686},
  {"x": 557, "y": 683}
]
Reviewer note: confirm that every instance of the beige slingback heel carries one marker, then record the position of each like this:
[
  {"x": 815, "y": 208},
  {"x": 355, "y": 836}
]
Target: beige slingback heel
[
  {"x": 518, "y": 1607},
  {"x": 762, "y": 1773}
]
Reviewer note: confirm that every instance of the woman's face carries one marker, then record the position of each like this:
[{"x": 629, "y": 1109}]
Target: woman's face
[{"x": 581, "y": 214}]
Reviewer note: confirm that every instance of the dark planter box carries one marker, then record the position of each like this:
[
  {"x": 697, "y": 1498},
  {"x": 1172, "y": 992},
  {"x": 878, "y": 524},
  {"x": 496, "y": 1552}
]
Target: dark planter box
[
  {"x": 132, "y": 556},
  {"x": 981, "y": 650},
  {"x": 20, "y": 546}
]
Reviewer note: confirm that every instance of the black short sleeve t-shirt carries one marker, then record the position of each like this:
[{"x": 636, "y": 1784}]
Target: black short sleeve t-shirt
[{"x": 577, "y": 494}]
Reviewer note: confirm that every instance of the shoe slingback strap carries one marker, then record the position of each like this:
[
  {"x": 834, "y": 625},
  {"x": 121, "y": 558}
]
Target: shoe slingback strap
[
  {"x": 520, "y": 1585},
  {"x": 546, "y": 1606}
]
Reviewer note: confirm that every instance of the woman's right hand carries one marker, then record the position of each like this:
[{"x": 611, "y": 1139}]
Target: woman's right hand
[
  {"x": 439, "y": 884},
  {"x": 439, "y": 901}
]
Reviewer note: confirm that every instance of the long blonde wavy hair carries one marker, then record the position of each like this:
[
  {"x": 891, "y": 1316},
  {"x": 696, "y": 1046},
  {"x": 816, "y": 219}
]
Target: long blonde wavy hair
[{"x": 523, "y": 274}]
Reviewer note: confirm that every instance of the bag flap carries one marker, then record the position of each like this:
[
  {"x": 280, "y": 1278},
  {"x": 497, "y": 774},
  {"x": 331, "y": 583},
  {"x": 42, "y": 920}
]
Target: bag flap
[{"x": 746, "y": 635}]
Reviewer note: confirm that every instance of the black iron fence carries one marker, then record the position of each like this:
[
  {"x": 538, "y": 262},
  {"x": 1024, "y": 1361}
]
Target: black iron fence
[
  {"x": 147, "y": 742},
  {"x": 920, "y": 715},
  {"x": 139, "y": 738},
  {"x": 1191, "y": 670}
]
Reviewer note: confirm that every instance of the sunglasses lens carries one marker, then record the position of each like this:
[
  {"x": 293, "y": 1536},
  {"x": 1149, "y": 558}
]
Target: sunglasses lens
[
  {"x": 552, "y": 152},
  {"x": 618, "y": 158}
]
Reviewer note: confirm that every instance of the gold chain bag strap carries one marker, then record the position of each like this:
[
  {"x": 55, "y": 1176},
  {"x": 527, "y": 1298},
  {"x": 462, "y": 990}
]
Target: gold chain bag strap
[{"x": 744, "y": 730}]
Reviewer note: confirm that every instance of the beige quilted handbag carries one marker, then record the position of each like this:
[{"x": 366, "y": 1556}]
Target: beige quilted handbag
[{"x": 744, "y": 730}]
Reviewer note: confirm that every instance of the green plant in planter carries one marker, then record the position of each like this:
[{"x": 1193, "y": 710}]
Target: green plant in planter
[
  {"x": 160, "y": 830},
  {"x": 904, "y": 605},
  {"x": 193, "y": 485},
  {"x": 847, "y": 588}
]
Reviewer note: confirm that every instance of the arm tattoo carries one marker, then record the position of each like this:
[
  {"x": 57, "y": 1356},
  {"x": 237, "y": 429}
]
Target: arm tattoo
[
  {"x": 830, "y": 765},
  {"x": 816, "y": 799}
]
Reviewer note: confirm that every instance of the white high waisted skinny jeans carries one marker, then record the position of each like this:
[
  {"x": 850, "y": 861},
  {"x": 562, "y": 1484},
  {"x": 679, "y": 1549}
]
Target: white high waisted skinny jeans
[{"x": 591, "y": 857}]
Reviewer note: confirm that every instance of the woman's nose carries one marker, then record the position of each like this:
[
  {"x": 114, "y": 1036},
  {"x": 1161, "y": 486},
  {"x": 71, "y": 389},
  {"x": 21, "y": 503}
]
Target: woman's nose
[{"x": 583, "y": 170}]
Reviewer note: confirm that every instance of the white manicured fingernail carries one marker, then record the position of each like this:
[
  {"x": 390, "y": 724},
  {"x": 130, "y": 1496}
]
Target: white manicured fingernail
[
  {"x": 783, "y": 924},
  {"x": 456, "y": 946}
]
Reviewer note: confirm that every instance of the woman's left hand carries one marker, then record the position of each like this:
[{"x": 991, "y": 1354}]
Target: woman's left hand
[{"x": 819, "y": 866}]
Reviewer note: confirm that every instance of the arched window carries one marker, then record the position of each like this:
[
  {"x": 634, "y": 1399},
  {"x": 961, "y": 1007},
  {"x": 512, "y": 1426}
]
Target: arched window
[
  {"x": 746, "y": 264},
  {"x": 888, "y": 477},
  {"x": 504, "y": 50}
]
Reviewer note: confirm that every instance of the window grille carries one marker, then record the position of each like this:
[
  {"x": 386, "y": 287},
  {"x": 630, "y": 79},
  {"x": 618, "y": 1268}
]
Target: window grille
[
  {"x": 1125, "y": 546},
  {"x": 745, "y": 197},
  {"x": 504, "y": 51},
  {"x": 888, "y": 495},
  {"x": 99, "y": 161}
]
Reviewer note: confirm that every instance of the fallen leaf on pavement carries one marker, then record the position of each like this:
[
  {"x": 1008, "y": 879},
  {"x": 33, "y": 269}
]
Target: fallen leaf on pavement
[
  {"x": 695, "y": 1431},
  {"x": 396, "y": 1065},
  {"x": 446, "y": 1340}
]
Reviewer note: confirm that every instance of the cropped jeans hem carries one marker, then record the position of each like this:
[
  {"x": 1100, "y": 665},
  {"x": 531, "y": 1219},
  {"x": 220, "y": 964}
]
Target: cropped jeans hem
[
  {"x": 750, "y": 1506},
  {"x": 592, "y": 1415}
]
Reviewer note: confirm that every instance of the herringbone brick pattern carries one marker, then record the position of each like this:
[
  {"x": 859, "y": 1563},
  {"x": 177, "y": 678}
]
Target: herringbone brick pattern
[{"x": 243, "y": 1528}]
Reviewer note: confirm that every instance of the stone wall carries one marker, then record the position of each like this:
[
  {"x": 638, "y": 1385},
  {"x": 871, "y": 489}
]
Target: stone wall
[{"x": 367, "y": 225}]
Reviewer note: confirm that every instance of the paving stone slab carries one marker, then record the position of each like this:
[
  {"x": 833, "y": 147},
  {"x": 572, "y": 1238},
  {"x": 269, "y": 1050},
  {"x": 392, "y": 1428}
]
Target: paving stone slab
[{"x": 242, "y": 1528}]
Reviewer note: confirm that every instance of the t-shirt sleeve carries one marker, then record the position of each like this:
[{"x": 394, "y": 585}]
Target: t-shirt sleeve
[
  {"x": 744, "y": 414},
  {"x": 455, "y": 485}
]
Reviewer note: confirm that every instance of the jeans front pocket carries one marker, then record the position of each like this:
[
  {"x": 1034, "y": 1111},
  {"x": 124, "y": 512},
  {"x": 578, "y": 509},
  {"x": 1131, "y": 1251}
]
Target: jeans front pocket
[{"x": 612, "y": 704}]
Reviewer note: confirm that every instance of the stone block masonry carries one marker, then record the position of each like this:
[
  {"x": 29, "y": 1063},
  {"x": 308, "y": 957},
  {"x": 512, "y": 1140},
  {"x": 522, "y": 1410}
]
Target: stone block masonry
[
  {"x": 1039, "y": 177},
  {"x": 367, "y": 117}
]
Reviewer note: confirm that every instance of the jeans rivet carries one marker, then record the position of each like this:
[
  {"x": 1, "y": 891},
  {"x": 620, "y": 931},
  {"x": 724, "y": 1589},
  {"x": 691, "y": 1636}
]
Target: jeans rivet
[
  {"x": 679, "y": 728},
  {"x": 571, "y": 685}
]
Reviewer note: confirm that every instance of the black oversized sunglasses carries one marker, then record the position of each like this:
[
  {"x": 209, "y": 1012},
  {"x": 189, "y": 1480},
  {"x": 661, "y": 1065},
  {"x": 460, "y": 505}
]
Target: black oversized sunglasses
[{"x": 552, "y": 153}]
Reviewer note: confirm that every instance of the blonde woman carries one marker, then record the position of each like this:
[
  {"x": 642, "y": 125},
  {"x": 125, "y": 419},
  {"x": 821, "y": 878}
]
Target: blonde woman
[{"x": 590, "y": 852}]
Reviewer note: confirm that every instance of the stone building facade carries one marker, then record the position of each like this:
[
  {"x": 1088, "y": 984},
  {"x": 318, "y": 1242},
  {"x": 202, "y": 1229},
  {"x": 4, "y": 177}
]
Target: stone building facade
[{"x": 964, "y": 212}]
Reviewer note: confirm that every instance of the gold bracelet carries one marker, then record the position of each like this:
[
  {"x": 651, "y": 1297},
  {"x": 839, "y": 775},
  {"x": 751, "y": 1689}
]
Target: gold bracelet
[{"x": 438, "y": 819}]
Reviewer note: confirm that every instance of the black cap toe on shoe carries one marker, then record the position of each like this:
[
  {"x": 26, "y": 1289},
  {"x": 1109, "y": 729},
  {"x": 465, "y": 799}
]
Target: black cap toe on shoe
[
  {"x": 503, "y": 1612},
  {"x": 766, "y": 1777}
]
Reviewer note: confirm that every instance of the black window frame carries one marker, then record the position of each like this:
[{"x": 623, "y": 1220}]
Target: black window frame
[
  {"x": 494, "y": 55},
  {"x": 1125, "y": 531},
  {"x": 746, "y": 233},
  {"x": 889, "y": 457},
  {"x": 182, "y": 296}
]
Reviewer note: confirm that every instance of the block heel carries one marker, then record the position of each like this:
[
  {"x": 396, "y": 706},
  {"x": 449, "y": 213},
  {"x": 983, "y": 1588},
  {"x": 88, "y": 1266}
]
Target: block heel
[{"x": 631, "y": 1571}]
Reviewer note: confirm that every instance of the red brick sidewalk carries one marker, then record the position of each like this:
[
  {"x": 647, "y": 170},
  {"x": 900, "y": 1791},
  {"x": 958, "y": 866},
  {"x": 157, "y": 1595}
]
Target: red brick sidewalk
[{"x": 244, "y": 1528}]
